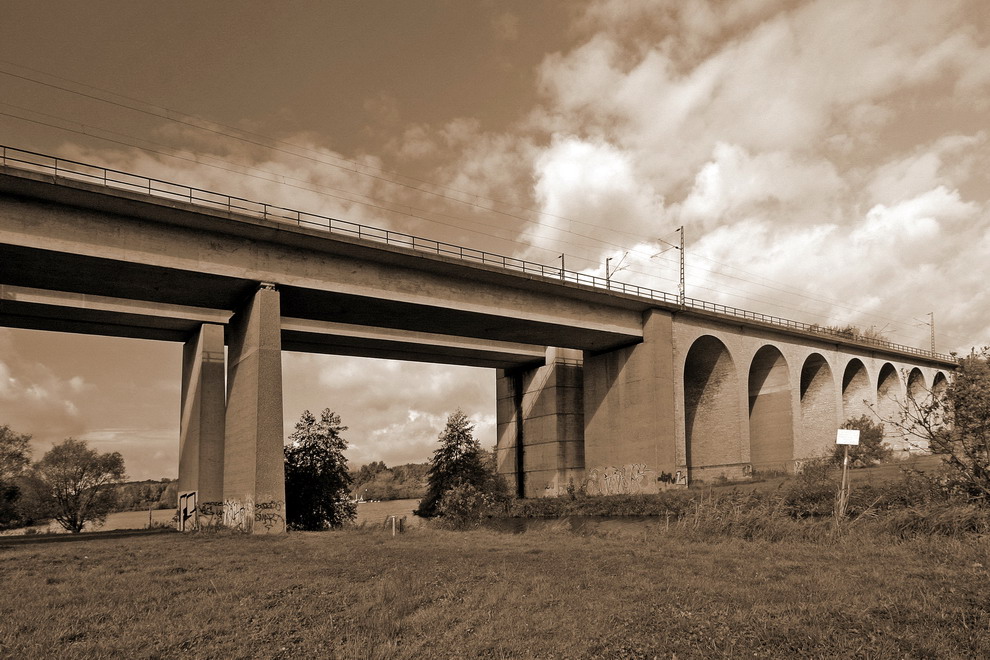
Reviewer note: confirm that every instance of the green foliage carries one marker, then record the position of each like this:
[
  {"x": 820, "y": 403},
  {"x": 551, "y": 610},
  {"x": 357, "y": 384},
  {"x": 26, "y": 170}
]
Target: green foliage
[
  {"x": 870, "y": 449},
  {"x": 74, "y": 484},
  {"x": 464, "y": 505},
  {"x": 458, "y": 461},
  {"x": 376, "y": 481},
  {"x": 15, "y": 456},
  {"x": 955, "y": 422},
  {"x": 144, "y": 495},
  {"x": 317, "y": 483}
]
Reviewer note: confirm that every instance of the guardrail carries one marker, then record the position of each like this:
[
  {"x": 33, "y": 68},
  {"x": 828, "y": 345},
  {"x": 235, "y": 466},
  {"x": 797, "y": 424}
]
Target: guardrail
[{"x": 117, "y": 179}]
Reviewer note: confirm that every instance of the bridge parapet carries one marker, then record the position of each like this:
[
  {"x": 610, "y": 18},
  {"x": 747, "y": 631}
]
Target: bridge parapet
[{"x": 13, "y": 160}]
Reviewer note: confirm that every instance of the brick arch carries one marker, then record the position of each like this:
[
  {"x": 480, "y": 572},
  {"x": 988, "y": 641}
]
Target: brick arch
[
  {"x": 939, "y": 382},
  {"x": 711, "y": 405},
  {"x": 855, "y": 390},
  {"x": 916, "y": 389},
  {"x": 819, "y": 414},
  {"x": 890, "y": 398},
  {"x": 771, "y": 424}
]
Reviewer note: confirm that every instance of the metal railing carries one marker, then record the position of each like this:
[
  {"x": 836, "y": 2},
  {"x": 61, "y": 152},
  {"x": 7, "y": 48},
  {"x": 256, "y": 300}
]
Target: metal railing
[{"x": 117, "y": 179}]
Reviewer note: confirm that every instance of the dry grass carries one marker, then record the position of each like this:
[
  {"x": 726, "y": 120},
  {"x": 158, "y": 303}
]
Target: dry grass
[{"x": 432, "y": 593}]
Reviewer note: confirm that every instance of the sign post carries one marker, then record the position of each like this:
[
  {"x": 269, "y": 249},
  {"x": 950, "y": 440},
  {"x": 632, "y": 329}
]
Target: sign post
[{"x": 844, "y": 437}]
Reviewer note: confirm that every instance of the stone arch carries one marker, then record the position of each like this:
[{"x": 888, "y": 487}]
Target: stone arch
[
  {"x": 711, "y": 406},
  {"x": 918, "y": 395},
  {"x": 939, "y": 383},
  {"x": 856, "y": 391},
  {"x": 916, "y": 390},
  {"x": 890, "y": 397},
  {"x": 819, "y": 416},
  {"x": 771, "y": 422}
]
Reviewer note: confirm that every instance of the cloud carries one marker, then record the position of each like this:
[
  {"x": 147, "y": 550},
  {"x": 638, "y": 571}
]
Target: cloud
[
  {"x": 506, "y": 26},
  {"x": 394, "y": 411},
  {"x": 36, "y": 400}
]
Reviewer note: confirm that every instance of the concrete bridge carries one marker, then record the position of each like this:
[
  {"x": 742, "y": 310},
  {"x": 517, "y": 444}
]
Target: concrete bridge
[{"x": 601, "y": 384}]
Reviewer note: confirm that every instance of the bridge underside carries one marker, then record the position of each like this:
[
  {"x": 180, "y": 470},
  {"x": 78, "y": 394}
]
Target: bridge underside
[{"x": 630, "y": 399}]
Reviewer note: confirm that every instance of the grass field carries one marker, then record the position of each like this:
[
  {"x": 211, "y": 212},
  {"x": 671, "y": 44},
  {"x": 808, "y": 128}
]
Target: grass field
[{"x": 432, "y": 593}]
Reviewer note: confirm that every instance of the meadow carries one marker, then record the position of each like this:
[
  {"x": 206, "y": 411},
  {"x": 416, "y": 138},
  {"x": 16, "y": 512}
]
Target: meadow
[{"x": 641, "y": 592}]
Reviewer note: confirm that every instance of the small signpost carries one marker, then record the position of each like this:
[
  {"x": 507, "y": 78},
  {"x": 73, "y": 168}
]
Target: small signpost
[{"x": 845, "y": 437}]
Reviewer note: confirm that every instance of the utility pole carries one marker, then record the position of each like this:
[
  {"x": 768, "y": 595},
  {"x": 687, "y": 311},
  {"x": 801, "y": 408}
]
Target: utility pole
[
  {"x": 561, "y": 265},
  {"x": 607, "y": 261},
  {"x": 931, "y": 315},
  {"x": 680, "y": 290}
]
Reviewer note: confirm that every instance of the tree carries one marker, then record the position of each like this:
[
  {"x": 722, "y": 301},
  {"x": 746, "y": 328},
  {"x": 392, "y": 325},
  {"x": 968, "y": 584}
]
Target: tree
[
  {"x": 15, "y": 455},
  {"x": 955, "y": 424},
  {"x": 458, "y": 462},
  {"x": 74, "y": 484},
  {"x": 317, "y": 483},
  {"x": 870, "y": 449}
]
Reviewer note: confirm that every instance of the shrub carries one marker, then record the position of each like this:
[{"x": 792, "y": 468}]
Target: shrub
[
  {"x": 464, "y": 505},
  {"x": 870, "y": 449}
]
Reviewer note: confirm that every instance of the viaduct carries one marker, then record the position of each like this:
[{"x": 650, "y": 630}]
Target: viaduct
[{"x": 600, "y": 384}]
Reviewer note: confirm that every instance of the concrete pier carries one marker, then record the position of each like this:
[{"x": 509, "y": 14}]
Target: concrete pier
[
  {"x": 540, "y": 425},
  {"x": 201, "y": 428},
  {"x": 254, "y": 474}
]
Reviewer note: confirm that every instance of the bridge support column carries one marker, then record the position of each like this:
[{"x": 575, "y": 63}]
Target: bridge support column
[
  {"x": 201, "y": 429},
  {"x": 629, "y": 414},
  {"x": 540, "y": 446},
  {"x": 254, "y": 473}
]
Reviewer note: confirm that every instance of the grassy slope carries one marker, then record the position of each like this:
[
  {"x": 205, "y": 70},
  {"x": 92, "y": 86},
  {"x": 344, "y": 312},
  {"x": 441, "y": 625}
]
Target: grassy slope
[{"x": 431, "y": 593}]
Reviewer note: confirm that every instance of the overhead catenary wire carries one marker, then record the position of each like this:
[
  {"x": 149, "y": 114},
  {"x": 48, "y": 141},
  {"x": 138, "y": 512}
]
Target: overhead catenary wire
[{"x": 415, "y": 212}]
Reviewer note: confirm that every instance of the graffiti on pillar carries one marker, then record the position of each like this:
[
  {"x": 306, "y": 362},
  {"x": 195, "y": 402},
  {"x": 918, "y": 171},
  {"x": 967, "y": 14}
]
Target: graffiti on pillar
[
  {"x": 270, "y": 515},
  {"x": 617, "y": 480},
  {"x": 187, "y": 511},
  {"x": 234, "y": 515},
  {"x": 210, "y": 514},
  {"x": 676, "y": 478}
]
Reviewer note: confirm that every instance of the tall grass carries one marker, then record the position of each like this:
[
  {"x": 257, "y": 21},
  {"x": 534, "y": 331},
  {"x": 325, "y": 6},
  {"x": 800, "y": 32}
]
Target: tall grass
[
  {"x": 801, "y": 508},
  {"x": 440, "y": 594}
]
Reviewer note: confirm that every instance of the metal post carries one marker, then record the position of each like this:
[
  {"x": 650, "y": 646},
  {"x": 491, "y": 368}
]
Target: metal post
[
  {"x": 562, "y": 266},
  {"x": 682, "y": 287},
  {"x": 932, "y": 316}
]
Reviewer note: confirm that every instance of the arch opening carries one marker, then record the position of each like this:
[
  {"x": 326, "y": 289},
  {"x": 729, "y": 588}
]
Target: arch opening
[
  {"x": 890, "y": 399},
  {"x": 819, "y": 416},
  {"x": 711, "y": 411},
  {"x": 771, "y": 424},
  {"x": 857, "y": 395}
]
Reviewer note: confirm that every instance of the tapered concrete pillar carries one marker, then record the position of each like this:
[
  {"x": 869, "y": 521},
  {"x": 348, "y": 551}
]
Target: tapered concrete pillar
[
  {"x": 201, "y": 429},
  {"x": 629, "y": 432},
  {"x": 539, "y": 413},
  {"x": 254, "y": 474}
]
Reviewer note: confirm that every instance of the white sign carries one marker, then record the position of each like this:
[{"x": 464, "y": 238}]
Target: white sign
[{"x": 847, "y": 437}]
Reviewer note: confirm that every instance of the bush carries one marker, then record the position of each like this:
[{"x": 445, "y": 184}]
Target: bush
[
  {"x": 870, "y": 449},
  {"x": 463, "y": 506}
]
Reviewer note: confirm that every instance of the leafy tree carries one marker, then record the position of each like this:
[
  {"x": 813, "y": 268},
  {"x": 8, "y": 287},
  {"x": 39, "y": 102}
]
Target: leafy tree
[
  {"x": 458, "y": 462},
  {"x": 74, "y": 484},
  {"x": 317, "y": 483},
  {"x": 955, "y": 423},
  {"x": 870, "y": 449},
  {"x": 15, "y": 455}
]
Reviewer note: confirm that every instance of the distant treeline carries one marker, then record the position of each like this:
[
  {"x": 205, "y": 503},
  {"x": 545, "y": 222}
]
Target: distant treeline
[
  {"x": 144, "y": 495},
  {"x": 377, "y": 481}
]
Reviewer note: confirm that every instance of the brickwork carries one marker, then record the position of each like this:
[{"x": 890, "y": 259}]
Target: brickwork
[{"x": 699, "y": 396}]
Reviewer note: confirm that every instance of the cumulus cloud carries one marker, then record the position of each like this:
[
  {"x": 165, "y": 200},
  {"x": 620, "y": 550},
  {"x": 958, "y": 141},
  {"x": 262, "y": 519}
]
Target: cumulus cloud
[{"x": 394, "y": 411}]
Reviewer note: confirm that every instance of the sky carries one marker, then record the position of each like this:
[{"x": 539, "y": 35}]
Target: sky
[{"x": 828, "y": 162}]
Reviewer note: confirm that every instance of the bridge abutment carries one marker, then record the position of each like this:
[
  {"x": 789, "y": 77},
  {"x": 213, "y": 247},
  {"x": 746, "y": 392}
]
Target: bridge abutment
[
  {"x": 201, "y": 428},
  {"x": 254, "y": 473}
]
